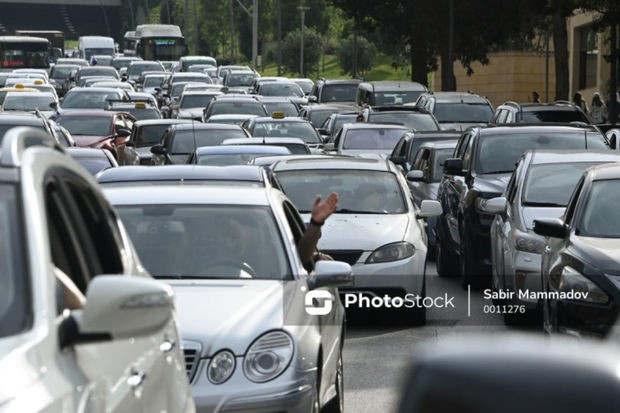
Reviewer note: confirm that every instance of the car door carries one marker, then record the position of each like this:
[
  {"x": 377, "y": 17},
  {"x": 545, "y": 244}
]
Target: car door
[
  {"x": 420, "y": 163},
  {"x": 135, "y": 374},
  {"x": 501, "y": 244}
]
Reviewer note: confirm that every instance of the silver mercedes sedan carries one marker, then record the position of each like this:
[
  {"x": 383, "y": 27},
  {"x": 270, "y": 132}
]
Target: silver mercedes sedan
[{"x": 259, "y": 332}]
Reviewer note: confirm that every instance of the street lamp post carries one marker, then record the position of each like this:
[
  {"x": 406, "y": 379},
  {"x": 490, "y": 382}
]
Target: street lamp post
[{"x": 301, "y": 47}]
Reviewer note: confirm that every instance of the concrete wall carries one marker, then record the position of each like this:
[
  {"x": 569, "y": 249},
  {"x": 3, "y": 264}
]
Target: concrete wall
[{"x": 508, "y": 76}]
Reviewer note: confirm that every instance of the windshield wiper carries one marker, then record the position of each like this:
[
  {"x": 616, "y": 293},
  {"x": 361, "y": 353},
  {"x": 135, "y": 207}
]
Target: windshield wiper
[{"x": 353, "y": 211}]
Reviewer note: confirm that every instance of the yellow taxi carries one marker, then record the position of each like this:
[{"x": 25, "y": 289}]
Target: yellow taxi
[{"x": 17, "y": 88}]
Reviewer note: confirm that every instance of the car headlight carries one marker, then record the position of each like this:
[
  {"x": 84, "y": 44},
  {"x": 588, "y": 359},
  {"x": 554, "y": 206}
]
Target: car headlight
[
  {"x": 391, "y": 252},
  {"x": 526, "y": 242},
  {"x": 268, "y": 356},
  {"x": 221, "y": 367},
  {"x": 573, "y": 281}
]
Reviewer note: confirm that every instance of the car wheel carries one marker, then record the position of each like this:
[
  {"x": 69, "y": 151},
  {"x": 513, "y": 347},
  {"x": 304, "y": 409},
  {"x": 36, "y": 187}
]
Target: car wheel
[
  {"x": 336, "y": 405},
  {"x": 444, "y": 261}
]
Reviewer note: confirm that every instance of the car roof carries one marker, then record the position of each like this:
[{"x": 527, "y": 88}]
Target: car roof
[
  {"x": 181, "y": 194},
  {"x": 168, "y": 121},
  {"x": 544, "y": 156},
  {"x": 269, "y": 119},
  {"x": 440, "y": 145},
  {"x": 25, "y": 118},
  {"x": 395, "y": 85},
  {"x": 262, "y": 140},
  {"x": 182, "y": 173},
  {"x": 447, "y": 134},
  {"x": 206, "y": 126},
  {"x": 302, "y": 163},
  {"x": 268, "y": 160},
  {"x": 536, "y": 128},
  {"x": 241, "y": 149},
  {"x": 605, "y": 171}
]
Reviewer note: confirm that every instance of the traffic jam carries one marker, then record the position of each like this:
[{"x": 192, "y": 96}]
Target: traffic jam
[{"x": 182, "y": 236}]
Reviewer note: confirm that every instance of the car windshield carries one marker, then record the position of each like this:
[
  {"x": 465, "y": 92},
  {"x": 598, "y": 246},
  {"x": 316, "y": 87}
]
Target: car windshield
[
  {"x": 28, "y": 102},
  {"x": 600, "y": 217},
  {"x": 463, "y": 112},
  {"x": 186, "y": 141},
  {"x": 149, "y": 135},
  {"x": 302, "y": 130},
  {"x": 552, "y": 184},
  {"x": 88, "y": 100},
  {"x": 15, "y": 316},
  {"x": 246, "y": 108},
  {"x": 86, "y": 125},
  {"x": 153, "y": 81},
  {"x": 562, "y": 116},
  {"x": 288, "y": 108},
  {"x": 339, "y": 93},
  {"x": 360, "y": 191},
  {"x": 207, "y": 241},
  {"x": 240, "y": 79},
  {"x": 375, "y": 138},
  {"x": 415, "y": 121},
  {"x": 280, "y": 89},
  {"x": 61, "y": 72},
  {"x": 499, "y": 153},
  {"x": 396, "y": 98},
  {"x": 195, "y": 101}
]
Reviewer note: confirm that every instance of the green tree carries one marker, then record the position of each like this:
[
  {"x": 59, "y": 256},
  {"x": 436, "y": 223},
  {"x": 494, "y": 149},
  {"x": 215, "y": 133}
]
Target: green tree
[
  {"x": 291, "y": 47},
  {"x": 366, "y": 53}
]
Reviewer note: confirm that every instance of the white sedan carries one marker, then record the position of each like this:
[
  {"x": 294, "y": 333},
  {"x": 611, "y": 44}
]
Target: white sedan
[{"x": 377, "y": 228}]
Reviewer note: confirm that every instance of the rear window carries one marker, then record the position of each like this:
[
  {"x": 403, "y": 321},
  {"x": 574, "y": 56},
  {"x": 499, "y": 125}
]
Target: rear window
[
  {"x": 562, "y": 116},
  {"x": 499, "y": 153}
]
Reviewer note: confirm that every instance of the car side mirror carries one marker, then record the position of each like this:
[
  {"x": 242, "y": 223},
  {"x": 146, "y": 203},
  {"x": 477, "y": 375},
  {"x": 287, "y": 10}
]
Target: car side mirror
[
  {"x": 415, "y": 175},
  {"x": 123, "y": 133},
  {"x": 494, "y": 206},
  {"x": 453, "y": 166},
  {"x": 312, "y": 99},
  {"x": 159, "y": 149},
  {"x": 429, "y": 208},
  {"x": 550, "y": 227},
  {"x": 54, "y": 105},
  {"x": 331, "y": 274}
]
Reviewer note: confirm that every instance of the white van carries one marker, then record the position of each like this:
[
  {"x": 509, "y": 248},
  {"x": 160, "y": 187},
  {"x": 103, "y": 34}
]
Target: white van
[{"x": 95, "y": 45}]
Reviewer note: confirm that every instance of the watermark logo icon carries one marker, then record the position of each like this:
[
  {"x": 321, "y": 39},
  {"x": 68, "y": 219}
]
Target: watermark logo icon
[{"x": 315, "y": 297}]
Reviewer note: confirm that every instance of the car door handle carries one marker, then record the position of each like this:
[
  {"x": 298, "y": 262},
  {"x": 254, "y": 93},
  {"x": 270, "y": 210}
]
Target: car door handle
[{"x": 136, "y": 378}]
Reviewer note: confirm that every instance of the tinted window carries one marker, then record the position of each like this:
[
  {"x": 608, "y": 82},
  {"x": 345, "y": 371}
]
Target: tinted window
[
  {"x": 339, "y": 93},
  {"x": 563, "y": 116},
  {"x": 440, "y": 157},
  {"x": 552, "y": 184},
  {"x": 499, "y": 153},
  {"x": 372, "y": 138},
  {"x": 187, "y": 141},
  {"x": 415, "y": 121},
  {"x": 208, "y": 241},
  {"x": 463, "y": 112},
  {"x": 90, "y": 126},
  {"x": 600, "y": 216},
  {"x": 15, "y": 314}
]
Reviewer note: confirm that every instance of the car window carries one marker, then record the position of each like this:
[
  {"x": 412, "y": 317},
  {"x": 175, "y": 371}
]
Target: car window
[
  {"x": 14, "y": 294},
  {"x": 552, "y": 184},
  {"x": 599, "y": 218},
  {"x": 572, "y": 203},
  {"x": 440, "y": 157}
]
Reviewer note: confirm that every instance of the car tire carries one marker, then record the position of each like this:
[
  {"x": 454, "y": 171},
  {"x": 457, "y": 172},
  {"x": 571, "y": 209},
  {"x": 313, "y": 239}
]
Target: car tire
[
  {"x": 444, "y": 260},
  {"x": 336, "y": 405}
]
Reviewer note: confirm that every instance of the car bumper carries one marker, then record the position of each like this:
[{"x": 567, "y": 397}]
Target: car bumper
[{"x": 291, "y": 392}]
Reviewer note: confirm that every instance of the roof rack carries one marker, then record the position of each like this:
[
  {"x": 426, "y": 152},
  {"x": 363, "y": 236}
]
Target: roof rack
[{"x": 16, "y": 140}]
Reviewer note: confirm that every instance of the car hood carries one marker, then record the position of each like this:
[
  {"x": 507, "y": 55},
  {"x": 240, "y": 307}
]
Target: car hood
[
  {"x": 604, "y": 253},
  {"x": 532, "y": 213},
  {"x": 361, "y": 231},
  {"x": 227, "y": 313},
  {"x": 492, "y": 183}
]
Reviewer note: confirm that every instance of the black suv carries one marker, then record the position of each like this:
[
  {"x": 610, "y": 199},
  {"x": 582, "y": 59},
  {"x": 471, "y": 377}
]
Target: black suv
[
  {"x": 334, "y": 91},
  {"x": 483, "y": 161},
  {"x": 457, "y": 110},
  {"x": 559, "y": 112}
]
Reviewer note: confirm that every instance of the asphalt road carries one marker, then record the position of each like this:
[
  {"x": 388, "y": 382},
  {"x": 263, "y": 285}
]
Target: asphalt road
[{"x": 376, "y": 354}]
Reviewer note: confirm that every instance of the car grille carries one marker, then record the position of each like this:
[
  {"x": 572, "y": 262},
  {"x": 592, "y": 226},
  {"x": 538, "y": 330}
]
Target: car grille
[
  {"x": 348, "y": 256},
  {"x": 191, "y": 351}
]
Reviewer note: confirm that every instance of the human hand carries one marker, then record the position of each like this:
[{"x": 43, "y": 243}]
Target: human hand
[{"x": 322, "y": 209}]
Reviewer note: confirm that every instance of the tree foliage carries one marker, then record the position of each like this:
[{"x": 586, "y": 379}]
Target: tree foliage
[
  {"x": 366, "y": 53},
  {"x": 291, "y": 48}
]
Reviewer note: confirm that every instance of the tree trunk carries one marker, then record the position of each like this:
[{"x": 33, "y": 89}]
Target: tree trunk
[
  {"x": 419, "y": 60},
  {"x": 560, "y": 46}
]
